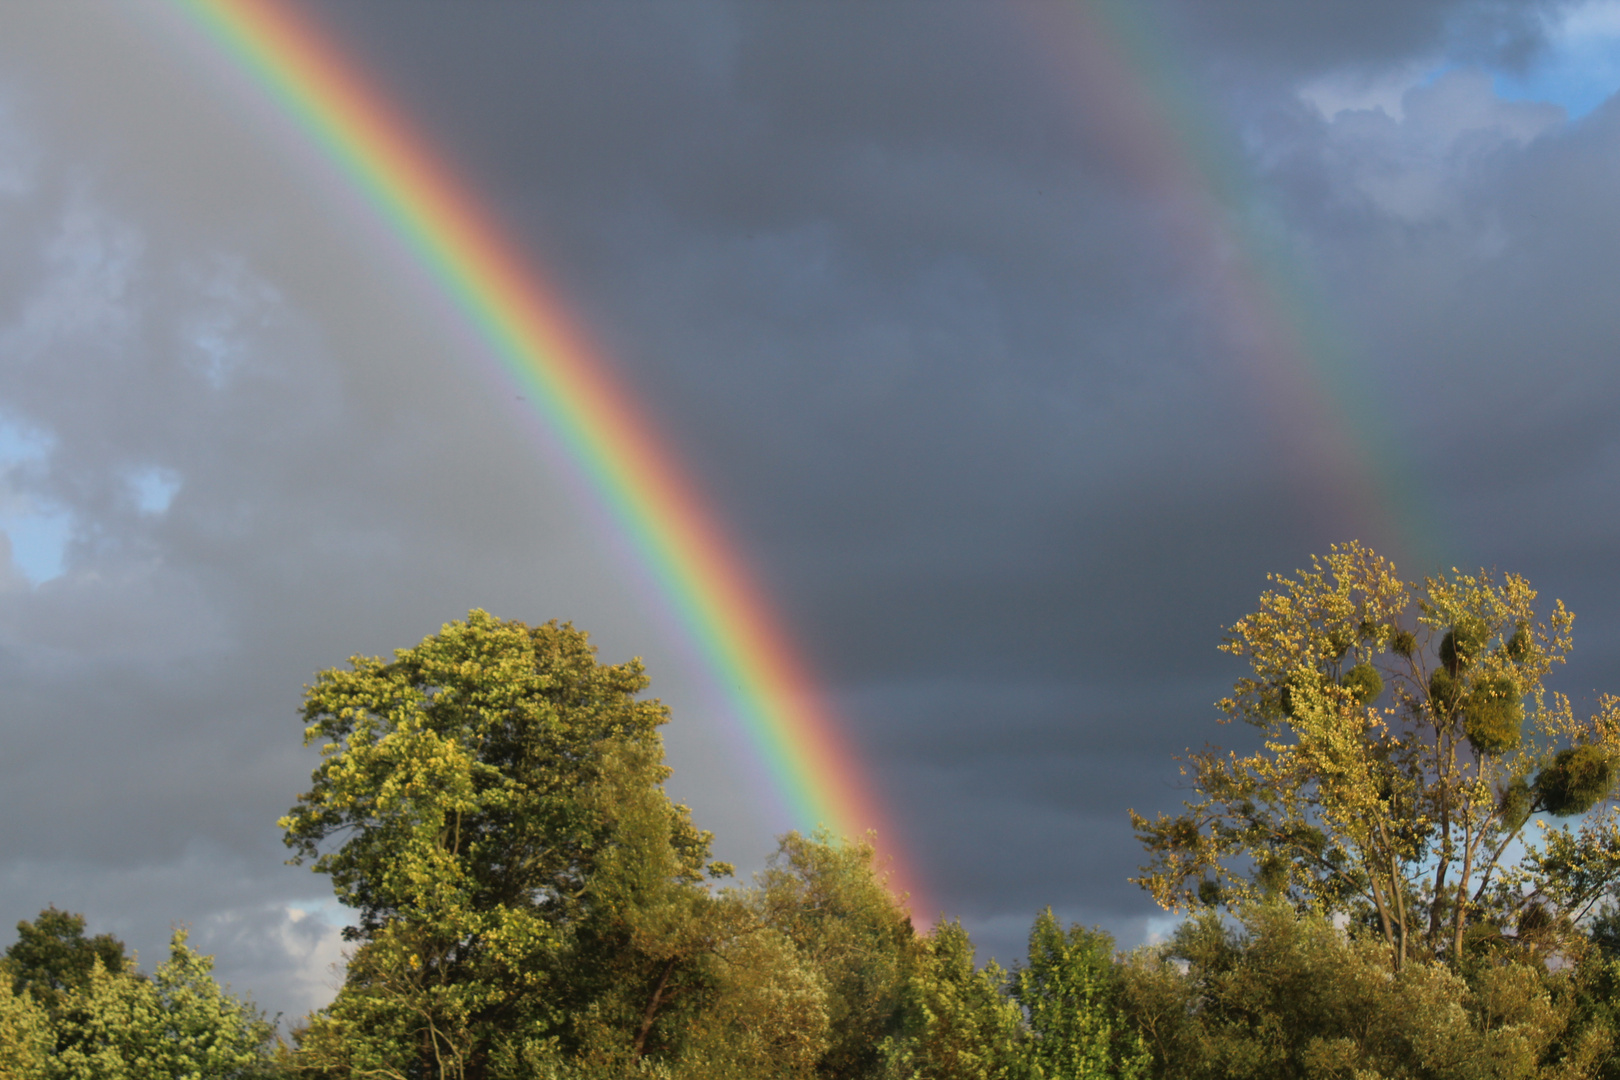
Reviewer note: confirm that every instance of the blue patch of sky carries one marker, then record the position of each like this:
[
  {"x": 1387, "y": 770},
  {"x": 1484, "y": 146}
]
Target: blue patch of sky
[
  {"x": 39, "y": 533},
  {"x": 1580, "y": 66},
  {"x": 153, "y": 489},
  {"x": 39, "y": 544}
]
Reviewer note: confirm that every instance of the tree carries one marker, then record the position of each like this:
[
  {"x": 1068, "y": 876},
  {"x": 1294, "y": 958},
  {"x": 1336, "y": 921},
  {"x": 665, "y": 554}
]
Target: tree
[
  {"x": 1288, "y": 996},
  {"x": 658, "y": 968},
  {"x": 177, "y": 1025},
  {"x": 956, "y": 1021},
  {"x": 832, "y": 902},
  {"x": 51, "y": 957},
  {"x": 25, "y": 1036},
  {"x": 1070, "y": 992},
  {"x": 524, "y": 886},
  {"x": 1399, "y": 764},
  {"x": 763, "y": 1016}
]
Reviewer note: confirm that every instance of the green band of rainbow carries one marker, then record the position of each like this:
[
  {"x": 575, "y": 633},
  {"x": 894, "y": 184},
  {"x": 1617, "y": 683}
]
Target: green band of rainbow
[{"x": 323, "y": 92}]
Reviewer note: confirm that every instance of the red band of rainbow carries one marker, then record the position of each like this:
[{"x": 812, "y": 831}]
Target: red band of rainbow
[{"x": 503, "y": 298}]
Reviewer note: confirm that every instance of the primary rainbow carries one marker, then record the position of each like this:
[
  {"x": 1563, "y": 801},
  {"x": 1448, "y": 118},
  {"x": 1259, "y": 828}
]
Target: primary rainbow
[{"x": 419, "y": 199}]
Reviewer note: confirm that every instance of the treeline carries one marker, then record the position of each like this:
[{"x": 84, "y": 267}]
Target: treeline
[
  {"x": 1278, "y": 995},
  {"x": 1414, "y": 877}
]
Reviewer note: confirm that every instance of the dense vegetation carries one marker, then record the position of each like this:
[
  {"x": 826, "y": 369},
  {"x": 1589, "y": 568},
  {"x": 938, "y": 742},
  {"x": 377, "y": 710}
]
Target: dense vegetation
[{"x": 1413, "y": 876}]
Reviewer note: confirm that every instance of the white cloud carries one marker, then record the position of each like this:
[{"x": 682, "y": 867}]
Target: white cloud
[
  {"x": 1592, "y": 21},
  {"x": 293, "y": 954},
  {"x": 1367, "y": 91},
  {"x": 1577, "y": 68},
  {"x": 1415, "y": 168},
  {"x": 231, "y": 304},
  {"x": 90, "y": 263}
]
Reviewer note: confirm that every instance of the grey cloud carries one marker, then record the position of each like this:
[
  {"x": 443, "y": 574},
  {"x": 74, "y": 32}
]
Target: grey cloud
[
  {"x": 916, "y": 307},
  {"x": 1298, "y": 40}
]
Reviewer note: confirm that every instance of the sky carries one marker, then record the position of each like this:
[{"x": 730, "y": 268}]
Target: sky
[{"x": 1014, "y": 344}]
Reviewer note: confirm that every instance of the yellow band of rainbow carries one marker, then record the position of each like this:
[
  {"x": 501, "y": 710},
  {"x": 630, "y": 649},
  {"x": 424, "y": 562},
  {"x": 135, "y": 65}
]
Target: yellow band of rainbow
[{"x": 502, "y": 296}]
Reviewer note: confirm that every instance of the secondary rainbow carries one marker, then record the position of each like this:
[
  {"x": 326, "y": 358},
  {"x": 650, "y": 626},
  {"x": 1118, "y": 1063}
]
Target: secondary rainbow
[
  {"x": 1303, "y": 365},
  {"x": 608, "y": 439}
]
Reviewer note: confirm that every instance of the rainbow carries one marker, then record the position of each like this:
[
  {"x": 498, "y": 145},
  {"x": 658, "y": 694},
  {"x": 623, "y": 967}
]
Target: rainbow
[
  {"x": 1281, "y": 337},
  {"x": 502, "y": 297}
]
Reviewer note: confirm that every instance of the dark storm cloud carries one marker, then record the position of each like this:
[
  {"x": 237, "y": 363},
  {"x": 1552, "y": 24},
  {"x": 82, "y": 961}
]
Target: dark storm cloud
[
  {"x": 892, "y": 281},
  {"x": 259, "y": 364}
]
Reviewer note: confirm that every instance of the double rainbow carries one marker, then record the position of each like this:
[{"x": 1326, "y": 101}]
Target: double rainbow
[{"x": 502, "y": 297}]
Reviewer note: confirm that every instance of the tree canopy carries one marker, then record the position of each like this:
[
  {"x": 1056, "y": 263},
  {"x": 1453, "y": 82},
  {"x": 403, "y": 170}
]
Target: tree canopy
[
  {"x": 495, "y": 806},
  {"x": 77, "y": 1008},
  {"x": 1408, "y": 744},
  {"x": 51, "y": 957},
  {"x": 1415, "y": 876}
]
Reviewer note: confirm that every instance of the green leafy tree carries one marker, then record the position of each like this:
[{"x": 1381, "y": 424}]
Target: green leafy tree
[
  {"x": 52, "y": 957},
  {"x": 654, "y": 955},
  {"x": 490, "y": 802},
  {"x": 1070, "y": 991},
  {"x": 763, "y": 1015},
  {"x": 177, "y": 1025},
  {"x": 831, "y": 900},
  {"x": 1407, "y": 743},
  {"x": 1289, "y": 996},
  {"x": 957, "y": 1022},
  {"x": 26, "y": 1040}
]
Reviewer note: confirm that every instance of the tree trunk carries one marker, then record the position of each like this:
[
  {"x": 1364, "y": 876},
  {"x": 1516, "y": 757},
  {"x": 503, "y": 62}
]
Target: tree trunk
[{"x": 651, "y": 1012}]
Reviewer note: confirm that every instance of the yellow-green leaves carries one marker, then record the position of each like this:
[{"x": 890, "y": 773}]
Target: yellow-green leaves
[
  {"x": 25, "y": 1036},
  {"x": 1492, "y": 715},
  {"x": 1364, "y": 683},
  {"x": 957, "y": 1022},
  {"x": 831, "y": 901},
  {"x": 491, "y": 803},
  {"x": 1071, "y": 993},
  {"x": 1401, "y": 726},
  {"x": 178, "y": 1023},
  {"x": 1291, "y": 995}
]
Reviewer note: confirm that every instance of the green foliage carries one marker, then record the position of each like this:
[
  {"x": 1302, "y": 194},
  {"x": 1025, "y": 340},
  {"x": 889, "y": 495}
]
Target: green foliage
[
  {"x": 1364, "y": 683},
  {"x": 525, "y": 888},
  {"x": 1403, "y": 643},
  {"x": 177, "y": 1025},
  {"x": 1290, "y": 997},
  {"x": 51, "y": 957},
  {"x": 471, "y": 755},
  {"x": 764, "y": 1019},
  {"x": 1442, "y": 690},
  {"x": 1464, "y": 643},
  {"x": 1071, "y": 992},
  {"x": 26, "y": 1039},
  {"x": 76, "y": 1008},
  {"x": 1399, "y": 808},
  {"x": 1492, "y": 715},
  {"x": 830, "y": 900},
  {"x": 1591, "y": 1037},
  {"x": 1577, "y": 780},
  {"x": 1516, "y": 804},
  {"x": 956, "y": 1022}
]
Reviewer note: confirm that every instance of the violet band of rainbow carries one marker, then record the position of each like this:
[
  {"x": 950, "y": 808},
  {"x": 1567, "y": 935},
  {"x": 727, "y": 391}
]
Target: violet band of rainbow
[{"x": 502, "y": 296}]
